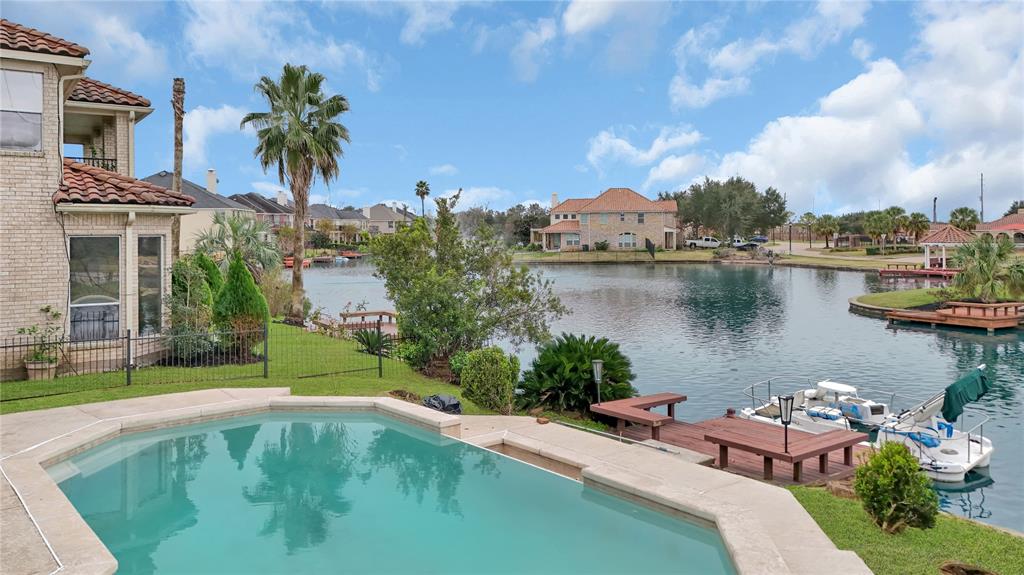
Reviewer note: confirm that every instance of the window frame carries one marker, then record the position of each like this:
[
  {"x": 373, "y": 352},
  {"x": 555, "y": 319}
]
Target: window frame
[
  {"x": 138, "y": 286},
  {"x": 120, "y": 280},
  {"x": 640, "y": 218},
  {"x": 39, "y": 114},
  {"x": 624, "y": 245},
  {"x": 622, "y": 216}
]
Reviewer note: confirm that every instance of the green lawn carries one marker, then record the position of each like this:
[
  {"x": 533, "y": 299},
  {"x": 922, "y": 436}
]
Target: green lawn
[
  {"x": 915, "y": 551},
  {"x": 902, "y": 299}
]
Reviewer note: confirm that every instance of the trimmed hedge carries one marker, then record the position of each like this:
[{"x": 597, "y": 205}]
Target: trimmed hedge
[
  {"x": 240, "y": 311},
  {"x": 489, "y": 378},
  {"x": 214, "y": 278},
  {"x": 894, "y": 490}
]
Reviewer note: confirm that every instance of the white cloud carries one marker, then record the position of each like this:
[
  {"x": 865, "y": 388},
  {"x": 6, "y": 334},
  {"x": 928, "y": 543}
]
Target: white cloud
[
  {"x": 674, "y": 169},
  {"x": 444, "y": 170},
  {"x": 426, "y": 18},
  {"x": 480, "y": 196},
  {"x": 201, "y": 124},
  {"x": 631, "y": 28},
  {"x": 137, "y": 55},
  {"x": 532, "y": 48},
  {"x": 582, "y": 16},
  {"x": 861, "y": 49},
  {"x": 606, "y": 147},
  {"x": 247, "y": 37},
  {"x": 684, "y": 94}
]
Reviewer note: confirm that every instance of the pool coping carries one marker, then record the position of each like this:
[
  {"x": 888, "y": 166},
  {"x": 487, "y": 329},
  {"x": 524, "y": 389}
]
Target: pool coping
[{"x": 735, "y": 505}]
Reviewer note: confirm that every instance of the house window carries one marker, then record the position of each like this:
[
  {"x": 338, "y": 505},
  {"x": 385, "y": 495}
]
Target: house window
[
  {"x": 95, "y": 272},
  {"x": 21, "y": 110},
  {"x": 604, "y": 218},
  {"x": 573, "y": 216},
  {"x": 622, "y": 217},
  {"x": 391, "y": 224},
  {"x": 571, "y": 239},
  {"x": 640, "y": 218},
  {"x": 558, "y": 216},
  {"x": 150, "y": 284},
  {"x": 584, "y": 218},
  {"x": 627, "y": 240}
]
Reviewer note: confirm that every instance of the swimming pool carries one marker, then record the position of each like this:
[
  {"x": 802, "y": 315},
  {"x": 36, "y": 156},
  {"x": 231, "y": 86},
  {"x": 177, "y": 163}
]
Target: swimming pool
[{"x": 358, "y": 493}]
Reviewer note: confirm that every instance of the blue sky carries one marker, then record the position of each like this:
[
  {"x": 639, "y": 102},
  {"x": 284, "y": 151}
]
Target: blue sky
[{"x": 839, "y": 105}]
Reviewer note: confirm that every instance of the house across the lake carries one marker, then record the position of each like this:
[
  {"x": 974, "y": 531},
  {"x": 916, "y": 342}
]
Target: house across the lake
[
  {"x": 276, "y": 213},
  {"x": 1011, "y": 226},
  {"x": 80, "y": 234},
  {"x": 208, "y": 204},
  {"x": 384, "y": 219},
  {"x": 619, "y": 216}
]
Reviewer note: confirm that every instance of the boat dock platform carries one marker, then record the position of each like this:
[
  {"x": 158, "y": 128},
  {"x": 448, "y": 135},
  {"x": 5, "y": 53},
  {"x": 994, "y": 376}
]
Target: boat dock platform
[
  {"x": 916, "y": 271},
  {"x": 987, "y": 316}
]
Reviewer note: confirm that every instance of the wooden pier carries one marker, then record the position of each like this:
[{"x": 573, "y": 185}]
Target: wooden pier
[
  {"x": 987, "y": 316},
  {"x": 916, "y": 271}
]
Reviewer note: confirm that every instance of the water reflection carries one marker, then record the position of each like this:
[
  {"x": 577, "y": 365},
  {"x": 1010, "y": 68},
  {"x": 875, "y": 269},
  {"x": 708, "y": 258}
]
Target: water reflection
[
  {"x": 303, "y": 474},
  {"x": 730, "y": 303},
  {"x": 239, "y": 440}
]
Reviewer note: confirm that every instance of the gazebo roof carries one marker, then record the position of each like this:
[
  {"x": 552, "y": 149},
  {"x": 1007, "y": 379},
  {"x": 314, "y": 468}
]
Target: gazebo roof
[{"x": 948, "y": 235}]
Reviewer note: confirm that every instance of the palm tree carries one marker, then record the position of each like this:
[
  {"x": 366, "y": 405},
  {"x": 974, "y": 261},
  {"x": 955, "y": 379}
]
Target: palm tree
[
  {"x": 178, "y": 106},
  {"x": 917, "y": 224},
  {"x": 877, "y": 224},
  {"x": 826, "y": 225},
  {"x": 248, "y": 236},
  {"x": 807, "y": 221},
  {"x": 964, "y": 218},
  {"x": 986, "y": 271},
  {"x": 301, "y": 136},
  {"x": 422, "y": 191}
]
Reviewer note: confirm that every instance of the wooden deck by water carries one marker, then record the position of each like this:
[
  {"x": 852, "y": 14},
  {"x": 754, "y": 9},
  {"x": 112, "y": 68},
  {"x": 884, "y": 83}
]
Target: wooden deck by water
[{"x": 691, "y": 436}]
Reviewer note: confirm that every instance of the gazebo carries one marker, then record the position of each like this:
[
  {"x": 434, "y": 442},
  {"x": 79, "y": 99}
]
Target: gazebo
[{"x": 948, "y": 236}]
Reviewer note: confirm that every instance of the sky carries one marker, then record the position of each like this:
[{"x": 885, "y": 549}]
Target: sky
[{"x": 838, "y": 105}]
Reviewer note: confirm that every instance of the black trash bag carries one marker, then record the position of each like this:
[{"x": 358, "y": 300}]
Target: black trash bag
[{"x": 444, "y": 404}]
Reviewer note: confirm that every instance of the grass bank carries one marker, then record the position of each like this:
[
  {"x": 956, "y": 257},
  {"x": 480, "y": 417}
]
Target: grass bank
[
  {"x": 902, "y": 299},
  {"x": 915, "y": 551},
  {"x": 693, "y": 256}
]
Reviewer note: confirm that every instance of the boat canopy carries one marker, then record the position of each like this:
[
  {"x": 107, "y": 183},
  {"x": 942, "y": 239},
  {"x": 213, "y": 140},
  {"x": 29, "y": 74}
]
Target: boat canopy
[
  {"x": 967, "y": 389},
  {"x": 836, "y": 387}
]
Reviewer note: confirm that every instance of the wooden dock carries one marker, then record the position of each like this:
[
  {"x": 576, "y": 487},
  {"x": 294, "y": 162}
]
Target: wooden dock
[
  {"x": 691, "y": 436},
  {"x": 916, "y": 271},
  {"x": 987, "y": 316}
]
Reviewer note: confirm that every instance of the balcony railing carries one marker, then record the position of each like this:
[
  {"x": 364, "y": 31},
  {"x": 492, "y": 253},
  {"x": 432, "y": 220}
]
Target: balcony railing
[{"x": 109, "y": 164}]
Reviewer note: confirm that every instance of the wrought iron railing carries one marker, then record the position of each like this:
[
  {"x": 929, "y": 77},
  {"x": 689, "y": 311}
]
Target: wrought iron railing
[{"x": 109, "y": 164}]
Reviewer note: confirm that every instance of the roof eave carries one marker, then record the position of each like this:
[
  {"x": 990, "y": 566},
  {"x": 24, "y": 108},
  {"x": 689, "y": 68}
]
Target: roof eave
[
  {"x": 58, "y": 59},
  {"x": 93, "y": 107},
  {"x": 92, "y": 207}
]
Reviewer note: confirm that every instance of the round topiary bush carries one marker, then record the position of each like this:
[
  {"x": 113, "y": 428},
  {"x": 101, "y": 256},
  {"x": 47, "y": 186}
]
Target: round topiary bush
[
  {"x": 562, "y": 376},
  {"x": 894, "y": 490},
  {"x": 240, "y": 311},
  {"x": 489, "y": 378}
]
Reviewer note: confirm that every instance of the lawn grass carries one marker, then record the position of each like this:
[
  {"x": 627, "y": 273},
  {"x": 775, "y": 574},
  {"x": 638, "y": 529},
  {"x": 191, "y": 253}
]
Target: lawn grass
[
  {"x": 902, "y": 299},
  {"x": 915, "y": 551}
]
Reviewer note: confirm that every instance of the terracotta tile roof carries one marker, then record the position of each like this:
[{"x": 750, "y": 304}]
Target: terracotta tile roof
[
  {"x": 625, "y": 200},
  {"x": 89, "y": 90},
  {"x": 668, "y": 205},
  {"x": 85, "y": 184},
  {"x": 17, "y": 37},
  {"x": 563, "y": 226},
  {"x": 947, "y": 235},
  {"x": 1013, "y": 221},
  {"x": 572, "y": 205}
]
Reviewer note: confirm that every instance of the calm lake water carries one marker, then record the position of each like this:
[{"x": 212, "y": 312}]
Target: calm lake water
[{"x": 709, "y": 331}]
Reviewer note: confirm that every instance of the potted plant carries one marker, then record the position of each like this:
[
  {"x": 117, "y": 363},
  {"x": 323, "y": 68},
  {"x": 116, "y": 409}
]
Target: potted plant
[{"x": 41, "y": 362}]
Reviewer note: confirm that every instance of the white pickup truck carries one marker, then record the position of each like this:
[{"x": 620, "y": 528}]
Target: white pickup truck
[{"x": 704, "y": 242}]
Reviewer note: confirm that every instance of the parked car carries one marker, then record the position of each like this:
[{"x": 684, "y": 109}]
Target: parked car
[
  {"x": 759, "y": 240},
  {"x": 704, "y": 242},
  {"x": 742, "y": 244}
]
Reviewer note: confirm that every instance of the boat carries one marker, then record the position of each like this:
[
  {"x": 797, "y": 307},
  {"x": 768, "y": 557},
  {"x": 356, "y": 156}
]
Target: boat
[
  {"x": 928, "y": 428},
  {"x": 340, "y": 259},
  {"x": 289, "y": 262}
]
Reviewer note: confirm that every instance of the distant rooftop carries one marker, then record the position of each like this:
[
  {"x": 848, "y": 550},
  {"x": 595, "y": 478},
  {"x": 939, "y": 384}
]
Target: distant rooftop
[{"x": 204, "y": 198}]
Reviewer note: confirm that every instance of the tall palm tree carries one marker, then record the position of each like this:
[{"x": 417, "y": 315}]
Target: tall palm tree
[
  {"x": 301, "y": 136},
  {"x": 248, "y": 236},
  {"x": 826, "y": 225},
  {"x": 964, "y": 218},
  {"x": 178, "y": 105},
  {"x": 876, "y": 224},
  {"x": 422, "y": 191},
  {"x": 807, "y": 221},
  {"x": 917, "y": 224},
  {"x": 986, "y": 271}
]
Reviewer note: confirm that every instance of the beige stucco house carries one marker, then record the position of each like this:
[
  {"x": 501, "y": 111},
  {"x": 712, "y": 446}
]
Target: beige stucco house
[
  {"x": 79, "y": 234},
  {"x": 344, "y": 225},
  {"x": 208, "y": 203},
  {"x": 619, "y": 216},
  {"x": 383, "y": 219}
]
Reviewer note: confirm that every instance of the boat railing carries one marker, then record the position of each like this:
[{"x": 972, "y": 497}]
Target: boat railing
[
  {"x": 977, "y": 423},
  {"x": 780, "y": 382}
]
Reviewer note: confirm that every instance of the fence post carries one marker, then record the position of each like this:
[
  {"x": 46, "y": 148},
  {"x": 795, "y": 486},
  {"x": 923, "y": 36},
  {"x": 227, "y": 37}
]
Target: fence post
[
  {"x": 128, "y": 356},
  {"x": 266, "y": 350},
  {"x": 380, "y": 351}
]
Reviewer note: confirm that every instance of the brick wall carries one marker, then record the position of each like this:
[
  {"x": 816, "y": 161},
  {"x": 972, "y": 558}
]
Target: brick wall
[{"x": 653, "y": 228}]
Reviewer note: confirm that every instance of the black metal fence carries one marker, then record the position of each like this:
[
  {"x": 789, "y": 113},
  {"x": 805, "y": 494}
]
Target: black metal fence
[{"x": 274, "y": 351}]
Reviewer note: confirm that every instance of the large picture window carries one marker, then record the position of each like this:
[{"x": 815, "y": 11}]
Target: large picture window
[
  {"x": 21, "y": 110},
  {"x": 572, "y": 239},
  {"x": 627, "y": 240},
  {"x": 95, "y": 273},
  {"x": 150, "y": 284}
]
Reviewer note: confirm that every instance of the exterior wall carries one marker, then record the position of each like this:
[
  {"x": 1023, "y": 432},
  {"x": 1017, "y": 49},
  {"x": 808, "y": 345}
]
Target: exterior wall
[
  {"x": 653, "y": 228},
  {"x": 193, "y": 224}
]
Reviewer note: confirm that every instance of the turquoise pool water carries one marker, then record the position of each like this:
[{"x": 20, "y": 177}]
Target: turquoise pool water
[{"x": 358, "y": 493}]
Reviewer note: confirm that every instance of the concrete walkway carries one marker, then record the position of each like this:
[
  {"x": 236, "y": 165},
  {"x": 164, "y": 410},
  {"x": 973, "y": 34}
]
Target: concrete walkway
[{"x": 801, "y": 249}]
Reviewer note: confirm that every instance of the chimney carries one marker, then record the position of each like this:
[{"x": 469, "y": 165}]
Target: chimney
[
  {"x": 1020, "y": 211},
  {"x": 554, "y": 199},
  {"x": 211, "y": 181},
  {"x": 282, "y": 199}
]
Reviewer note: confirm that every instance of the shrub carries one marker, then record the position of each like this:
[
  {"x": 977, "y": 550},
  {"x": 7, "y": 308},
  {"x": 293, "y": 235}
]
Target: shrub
[
  {"x": 414, "y": 353},
  {"x": 534, "y": 247},
  {"x": 601, "y": 246},
  {"x": 456, "y": 363},
  {"x": 894, "y": 490},
  {"x": 723, "y": 252},
  {"x": 214, "y": 278},
  {"x": 562, "y": 375},
  {"x": 240, "y": 311},
  {"x": 489, "y": 379},
  {"x": 190, "y": 307},
  {"x": 372, "y": 341},
  {"x": 277, "y": 291}
]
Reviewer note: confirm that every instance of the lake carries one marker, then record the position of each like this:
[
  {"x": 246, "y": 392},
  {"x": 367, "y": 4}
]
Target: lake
[{"x": 709, "y": 331}]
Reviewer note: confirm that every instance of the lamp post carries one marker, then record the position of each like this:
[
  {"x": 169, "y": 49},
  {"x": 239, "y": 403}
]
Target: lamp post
[
  {"x": 790, "y": 238},
  {"x": 786, "y": 415},
  {"x": 883, "y": 244},
  {"x": 598, "y": 371}
]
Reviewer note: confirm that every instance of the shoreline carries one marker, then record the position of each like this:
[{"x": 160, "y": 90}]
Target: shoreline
[{"x": 871, "y": 266}]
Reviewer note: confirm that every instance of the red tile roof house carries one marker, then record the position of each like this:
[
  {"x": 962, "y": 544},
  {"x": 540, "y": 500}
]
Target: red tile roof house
[
  {"x": 1011, "y": 226},
  {"x": 79, "y": 234},
  {"x": 619, "y": 216}
]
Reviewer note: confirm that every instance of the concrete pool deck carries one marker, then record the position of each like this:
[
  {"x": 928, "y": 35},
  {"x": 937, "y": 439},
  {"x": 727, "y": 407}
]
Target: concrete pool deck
[{"x": 763, "y": 527}]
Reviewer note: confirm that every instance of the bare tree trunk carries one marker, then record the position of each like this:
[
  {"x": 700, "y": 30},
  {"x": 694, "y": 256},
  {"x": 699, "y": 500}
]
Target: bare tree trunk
[
  {"x": 178, "y": 105},
  {"x": 300, "y": 184}
]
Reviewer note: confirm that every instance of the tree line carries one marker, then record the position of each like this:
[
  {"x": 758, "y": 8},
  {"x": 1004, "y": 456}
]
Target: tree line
[{"x": 732, "y": 208}]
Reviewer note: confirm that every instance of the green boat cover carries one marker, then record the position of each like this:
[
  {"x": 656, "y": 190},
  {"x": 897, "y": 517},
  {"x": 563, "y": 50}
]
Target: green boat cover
[{"x": 965, "y": 390}]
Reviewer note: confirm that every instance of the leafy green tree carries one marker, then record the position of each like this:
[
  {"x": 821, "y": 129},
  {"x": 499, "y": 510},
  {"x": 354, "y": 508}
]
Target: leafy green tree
[
  {"x": 987, "y": 271},
  {"x": 917, "y": 224},
  {"x": 489, "y": 378},
  {"x": 771, "y": 211},
  {"x": 455, "y": 293},
  {"x": 894, "y": 490},
  {"x": 422, "y": 191},
  {"x": 738, "y": 207},
  {"x": 877, "y": 224},
  {"x": 562, "y": 376},
  {"x": 302, "y": 138},
  {"x": 214, "y": 277},
  {"x": 1015, "y": 207},
  {"x": 519, "y": 220},
  {"x": 190, "y": 307},
  {"x": 965, "y": 218},
  {"x": 807, "y": 221},
  {"x": 826, "y": 225},
  {"x": 248, "y": 236},
  {"x": 240, "y": 311},
  {"x": 852, "y": 222}
]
